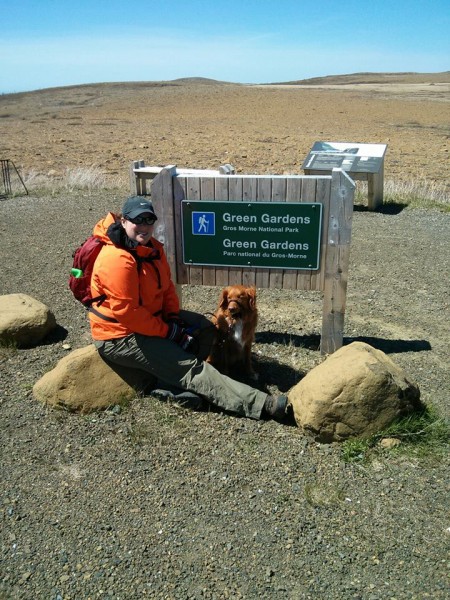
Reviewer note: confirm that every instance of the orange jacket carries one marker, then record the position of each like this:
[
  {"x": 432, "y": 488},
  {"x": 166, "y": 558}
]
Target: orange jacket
[{"x": 138, "y": 299}]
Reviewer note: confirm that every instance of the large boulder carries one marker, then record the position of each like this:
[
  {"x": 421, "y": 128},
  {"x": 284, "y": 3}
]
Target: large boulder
[
  {"x": 24, "y": 321},
  {"x": 355, "y": 392},
  {"x": 82, "y": 381}
]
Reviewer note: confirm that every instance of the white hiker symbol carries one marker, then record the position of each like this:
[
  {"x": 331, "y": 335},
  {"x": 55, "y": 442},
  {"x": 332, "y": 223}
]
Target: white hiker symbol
[{"x": 203, "y": 224}]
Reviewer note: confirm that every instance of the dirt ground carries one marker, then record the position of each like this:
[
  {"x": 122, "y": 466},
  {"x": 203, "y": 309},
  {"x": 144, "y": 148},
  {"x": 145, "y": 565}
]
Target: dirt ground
[
  {"x": 156, "y": 500},
  {"x": 258, "y": 129},
  {"x": 160, "y": 501}
]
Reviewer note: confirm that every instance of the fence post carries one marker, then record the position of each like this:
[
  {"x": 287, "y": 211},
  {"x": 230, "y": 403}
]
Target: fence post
[
  {"x": 133, "y": 178},
  {"x": 375, "y": 188},
  {"x": 163, "y": 203},
  {"x": 337, "y": 261}
]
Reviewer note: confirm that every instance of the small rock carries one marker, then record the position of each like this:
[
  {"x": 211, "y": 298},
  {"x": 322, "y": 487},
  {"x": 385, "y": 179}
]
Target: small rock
[{"x": 388, "y": 443}]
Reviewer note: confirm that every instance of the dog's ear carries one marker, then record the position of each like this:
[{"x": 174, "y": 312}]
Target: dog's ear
[
  {"x": 252, "y": 297},
  {"x": 223, "y": 302}
]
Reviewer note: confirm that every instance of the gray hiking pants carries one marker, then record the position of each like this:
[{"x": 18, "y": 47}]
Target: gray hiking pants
[{"x": 171, "y": 365}]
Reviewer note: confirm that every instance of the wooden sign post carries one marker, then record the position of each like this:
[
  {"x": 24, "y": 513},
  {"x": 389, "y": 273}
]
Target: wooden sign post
[{"x": 171, "y": 190}]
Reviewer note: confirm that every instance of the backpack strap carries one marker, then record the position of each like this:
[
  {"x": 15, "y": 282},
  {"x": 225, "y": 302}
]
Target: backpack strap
[
  {"x": 99, "y": 299},
  {"x": 102, "y": 316},
  {"x": 147, "y": 259}
]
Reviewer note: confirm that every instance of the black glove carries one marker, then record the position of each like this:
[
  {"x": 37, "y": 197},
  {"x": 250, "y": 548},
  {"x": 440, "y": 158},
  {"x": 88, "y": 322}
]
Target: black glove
[
  {"x": 175, "y": 318},
  {"x": 180, "y": 336}
]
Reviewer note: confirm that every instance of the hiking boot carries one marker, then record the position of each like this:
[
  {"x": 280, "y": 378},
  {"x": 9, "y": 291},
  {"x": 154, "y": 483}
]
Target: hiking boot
[{"x": 275, "y": 407}]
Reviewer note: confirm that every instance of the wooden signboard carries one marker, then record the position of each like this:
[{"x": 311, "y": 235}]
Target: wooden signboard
[{"x": 176, "y": 196}]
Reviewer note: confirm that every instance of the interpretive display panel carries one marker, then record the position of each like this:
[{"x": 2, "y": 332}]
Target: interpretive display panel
[{"x": 350, "y": 157}]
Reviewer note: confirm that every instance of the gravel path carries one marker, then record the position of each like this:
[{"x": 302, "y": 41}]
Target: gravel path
[{"x": 160, "y": 501}]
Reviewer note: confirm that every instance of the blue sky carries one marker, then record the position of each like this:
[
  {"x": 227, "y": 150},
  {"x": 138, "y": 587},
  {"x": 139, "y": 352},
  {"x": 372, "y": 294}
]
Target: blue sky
[{"x": 47, "y": 43}]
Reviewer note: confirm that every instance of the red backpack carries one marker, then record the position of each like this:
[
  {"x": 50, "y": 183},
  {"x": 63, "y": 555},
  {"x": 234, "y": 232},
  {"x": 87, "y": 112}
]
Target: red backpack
[
  {"x": 83, "y": 263},
  {"x": 80, "y": 275}
]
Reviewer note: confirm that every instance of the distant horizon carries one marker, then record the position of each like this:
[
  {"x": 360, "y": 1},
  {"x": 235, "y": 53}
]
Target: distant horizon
[
  {"x": 209, "y": 79},
  {"x": 61, "y": 44}
]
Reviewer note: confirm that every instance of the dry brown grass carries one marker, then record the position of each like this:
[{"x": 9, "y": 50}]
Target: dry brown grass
[{"x": 259, "y": 129}]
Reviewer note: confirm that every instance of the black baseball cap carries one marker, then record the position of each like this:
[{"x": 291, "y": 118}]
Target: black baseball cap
[{"x": 137, "y": 205}]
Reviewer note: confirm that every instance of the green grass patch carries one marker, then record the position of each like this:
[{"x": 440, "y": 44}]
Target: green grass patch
[
  {"x": 163, "y": 422},
  {"x": 421, "y": 435}
]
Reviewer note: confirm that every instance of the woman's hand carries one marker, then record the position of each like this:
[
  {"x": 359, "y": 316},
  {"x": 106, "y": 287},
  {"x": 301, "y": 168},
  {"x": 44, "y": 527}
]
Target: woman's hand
[
  {"x": 180, "y": 336},
  {"x": 175, "y": 318}
]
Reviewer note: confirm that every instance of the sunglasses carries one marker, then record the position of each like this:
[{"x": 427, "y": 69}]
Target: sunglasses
[{"x": 140, "y": 220}]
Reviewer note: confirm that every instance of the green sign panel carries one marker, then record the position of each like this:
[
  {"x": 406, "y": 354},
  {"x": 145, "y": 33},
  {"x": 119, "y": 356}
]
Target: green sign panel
[{"x": 278, "y": 235}]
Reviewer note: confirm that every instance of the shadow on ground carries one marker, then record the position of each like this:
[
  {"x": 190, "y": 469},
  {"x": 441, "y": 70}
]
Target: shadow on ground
[
  {"x": 312, "y": 342},
  {"x": 390, "y": 208}
]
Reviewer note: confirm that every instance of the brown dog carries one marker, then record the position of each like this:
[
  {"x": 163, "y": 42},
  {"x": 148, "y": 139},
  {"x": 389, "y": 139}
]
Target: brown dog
[{"x": 235, "y": 320}]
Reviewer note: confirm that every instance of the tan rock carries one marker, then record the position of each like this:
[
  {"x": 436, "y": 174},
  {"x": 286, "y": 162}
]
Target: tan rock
[
  {"x": 24, "y": 320},
  {"x": 355, "y": 392},
  {"x": 82, "y": 381},
  {"x": 388, "y": 443}
]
